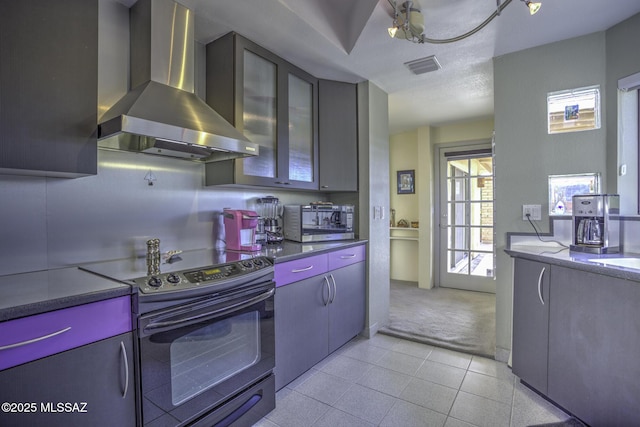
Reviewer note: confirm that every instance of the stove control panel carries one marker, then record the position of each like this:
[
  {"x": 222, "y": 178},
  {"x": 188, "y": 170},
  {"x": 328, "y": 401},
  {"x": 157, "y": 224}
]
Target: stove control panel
[{"x": 177, "y": 280}]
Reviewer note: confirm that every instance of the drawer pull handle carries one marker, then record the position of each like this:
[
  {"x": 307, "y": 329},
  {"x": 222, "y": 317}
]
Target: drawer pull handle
[
  {"x": 335, "y": 289},
  {"x": 20, "y": 344},
  {"x": 540, "y": 285},
  {"x": 348, "y": 256},
  {"x": 123, "y": 352},
  {"x": 328, "y": 301},
  {"x": 302, "y": 269}
]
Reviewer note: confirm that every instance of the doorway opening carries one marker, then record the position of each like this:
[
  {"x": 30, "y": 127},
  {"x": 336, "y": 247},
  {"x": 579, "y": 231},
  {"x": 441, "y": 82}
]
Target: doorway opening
[{"x": 459, "y": 313}]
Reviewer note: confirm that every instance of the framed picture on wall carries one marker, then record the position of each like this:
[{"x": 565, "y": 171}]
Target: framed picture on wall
[{"x": 406, "y": 182}]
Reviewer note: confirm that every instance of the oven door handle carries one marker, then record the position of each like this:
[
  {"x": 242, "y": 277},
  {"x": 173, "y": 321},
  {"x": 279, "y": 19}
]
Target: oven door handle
[{"x": 168, "y": 325}]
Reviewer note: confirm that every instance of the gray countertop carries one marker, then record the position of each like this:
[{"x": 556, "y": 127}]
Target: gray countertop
[
  {"x": 289, "y": 251},
  {"x": 576, "y": 260},
  {"x": 37, "y": 292}
]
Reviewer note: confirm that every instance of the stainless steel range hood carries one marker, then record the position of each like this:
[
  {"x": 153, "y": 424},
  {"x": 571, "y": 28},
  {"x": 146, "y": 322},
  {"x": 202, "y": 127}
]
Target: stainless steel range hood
[{"x": 161, "y": 114}]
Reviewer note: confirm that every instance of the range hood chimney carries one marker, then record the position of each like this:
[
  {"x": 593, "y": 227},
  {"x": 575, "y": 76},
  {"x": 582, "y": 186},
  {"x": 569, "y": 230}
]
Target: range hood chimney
[{"x": 161, "y": 114}]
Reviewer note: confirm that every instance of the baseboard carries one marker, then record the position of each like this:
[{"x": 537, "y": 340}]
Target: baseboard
[
  {"x": 502, "y": 354},
  {"x": 370, "y": 331}
]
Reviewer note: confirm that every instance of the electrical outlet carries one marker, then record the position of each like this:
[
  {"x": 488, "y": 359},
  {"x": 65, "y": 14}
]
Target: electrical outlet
[{"x": 534, "y": 212}]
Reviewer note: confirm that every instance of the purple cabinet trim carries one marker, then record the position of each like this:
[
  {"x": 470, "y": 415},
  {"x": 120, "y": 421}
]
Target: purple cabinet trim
[
  {"x": 299, "y": 269},
  {"x": 64, "y": 329},
  {"x": 345, "y": 257}
]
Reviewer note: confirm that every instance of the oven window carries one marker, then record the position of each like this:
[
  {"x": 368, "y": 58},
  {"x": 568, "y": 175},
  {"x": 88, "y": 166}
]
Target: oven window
[{"x": 209, "y": 355}]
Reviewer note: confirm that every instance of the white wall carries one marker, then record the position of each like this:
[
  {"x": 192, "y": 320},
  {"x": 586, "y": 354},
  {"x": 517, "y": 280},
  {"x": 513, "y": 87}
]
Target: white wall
[
  {"x": 406, "y": 255},
  {"x": 526, "y": 154},
  {"x": 373, "y": 154},
  {"x": 623, "y": 59}
]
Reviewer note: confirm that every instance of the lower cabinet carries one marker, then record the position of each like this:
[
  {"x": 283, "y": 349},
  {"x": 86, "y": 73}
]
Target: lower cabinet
[
  {"x": 531, "y": 322},
  {"x": 576, "y": 340},
  {"x": 302, "y": 327},
  {"x": 92, "y": 385},
  {"x": 315, "y": 316},
  {"x": 347, "y": 306},
  {"x": 594, "y": 344}
]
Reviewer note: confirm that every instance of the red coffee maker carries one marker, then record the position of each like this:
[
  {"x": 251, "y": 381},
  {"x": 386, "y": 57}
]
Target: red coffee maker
[{"x": 240, "y": 230}]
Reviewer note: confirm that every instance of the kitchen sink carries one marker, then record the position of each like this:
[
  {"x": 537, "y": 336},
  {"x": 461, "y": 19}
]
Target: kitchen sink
[{"x": 619, "y": 262}]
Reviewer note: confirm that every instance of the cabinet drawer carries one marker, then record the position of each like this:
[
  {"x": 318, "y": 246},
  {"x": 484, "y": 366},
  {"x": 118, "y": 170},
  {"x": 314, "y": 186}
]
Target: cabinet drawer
[
  {"x": 293, "y": 271},
  {"x": 34, "y": 337},
  {"x": 345, "y": 257}
]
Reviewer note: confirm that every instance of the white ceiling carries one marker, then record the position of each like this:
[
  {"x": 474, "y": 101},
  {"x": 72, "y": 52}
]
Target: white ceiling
[{"x": 347, "y": 40}]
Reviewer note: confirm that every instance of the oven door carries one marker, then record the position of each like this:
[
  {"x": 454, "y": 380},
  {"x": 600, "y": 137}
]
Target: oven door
[{"x": 198, "y": 356}]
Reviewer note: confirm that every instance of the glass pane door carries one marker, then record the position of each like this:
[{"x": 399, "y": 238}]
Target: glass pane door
[
  {"x": 466, "y": 241},
  {"x": 300, "y": 129},
  {"x": 259, "y": 117}
]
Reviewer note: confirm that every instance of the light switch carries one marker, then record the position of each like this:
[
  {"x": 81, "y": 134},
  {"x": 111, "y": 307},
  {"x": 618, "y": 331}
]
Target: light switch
[{"x": 378, "y": 212}]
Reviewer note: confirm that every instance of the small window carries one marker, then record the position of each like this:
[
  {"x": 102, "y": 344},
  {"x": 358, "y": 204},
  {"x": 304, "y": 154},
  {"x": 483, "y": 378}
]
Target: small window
[
  {"x": 574, "y": 110},
  {"x": 562, "y": 188}
]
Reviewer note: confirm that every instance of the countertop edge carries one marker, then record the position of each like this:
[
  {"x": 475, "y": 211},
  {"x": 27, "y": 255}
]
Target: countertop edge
[
  {"x": 40, "y": 307},
  {"x": 336, "y": 246},
  {"x": 576, "y": 261}
]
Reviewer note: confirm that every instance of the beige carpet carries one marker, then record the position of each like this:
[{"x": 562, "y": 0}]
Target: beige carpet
[{"x": 449, "y": 318}]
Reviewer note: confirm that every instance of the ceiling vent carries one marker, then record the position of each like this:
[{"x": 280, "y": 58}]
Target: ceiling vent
[{"x": 423, "y": 65}]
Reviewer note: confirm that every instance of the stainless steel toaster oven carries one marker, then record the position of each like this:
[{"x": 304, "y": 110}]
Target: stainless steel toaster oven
[{"x": 318, "y": 222}]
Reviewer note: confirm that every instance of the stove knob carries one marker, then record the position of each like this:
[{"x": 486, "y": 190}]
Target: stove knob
[
  {"x": 154, "y": 282},
  {"x": 258, "y": 262},
  {"x": 173, "y": 278},
  {"x": 247, "y": 264}
]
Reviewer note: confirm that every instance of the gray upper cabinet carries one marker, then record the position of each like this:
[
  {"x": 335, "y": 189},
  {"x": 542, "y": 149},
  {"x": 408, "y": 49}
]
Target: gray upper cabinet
[
  {"x": 274, "y": 104},
  {"x": 48, "y": 87},
  {"x": 338, "y": 135}
]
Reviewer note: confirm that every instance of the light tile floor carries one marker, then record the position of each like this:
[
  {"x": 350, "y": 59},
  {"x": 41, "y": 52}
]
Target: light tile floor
[{"x": 387, "y": 381}]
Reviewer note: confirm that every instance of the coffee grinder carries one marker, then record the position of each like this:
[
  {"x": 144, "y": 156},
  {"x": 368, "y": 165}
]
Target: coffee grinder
[
  {"x": 269, "y": 210},
  {"x": 596, "y": 224}
]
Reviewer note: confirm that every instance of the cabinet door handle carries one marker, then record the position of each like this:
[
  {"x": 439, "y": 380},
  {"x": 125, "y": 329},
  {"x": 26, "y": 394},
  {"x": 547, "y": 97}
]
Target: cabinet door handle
[
  {"x": 325, "y": 186},
  {"x": 123, "y": 353},
  {"x": 328, "y": 300},
  {"x": 540, "y": 285},
  {"x": 44, "y": 337},
  {"x": 347, "y": 256},
  {"x": 302, "y": 269},
  {"x": 335, "y": 289}
]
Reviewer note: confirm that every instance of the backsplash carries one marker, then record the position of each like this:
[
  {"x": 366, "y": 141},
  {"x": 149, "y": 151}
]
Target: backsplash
[
  {"x": 51, "y": 222},
  {"x": 561, "y": 231}
]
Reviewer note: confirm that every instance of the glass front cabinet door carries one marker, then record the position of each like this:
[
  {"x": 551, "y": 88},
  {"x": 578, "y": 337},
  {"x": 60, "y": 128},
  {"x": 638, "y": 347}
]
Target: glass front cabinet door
[{"x": 274, "y": 104}]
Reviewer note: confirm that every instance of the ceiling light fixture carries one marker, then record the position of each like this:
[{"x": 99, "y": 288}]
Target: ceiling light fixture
[
  {"x": 408, "y": 21},
  {"x": 534, "y": 7}
]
